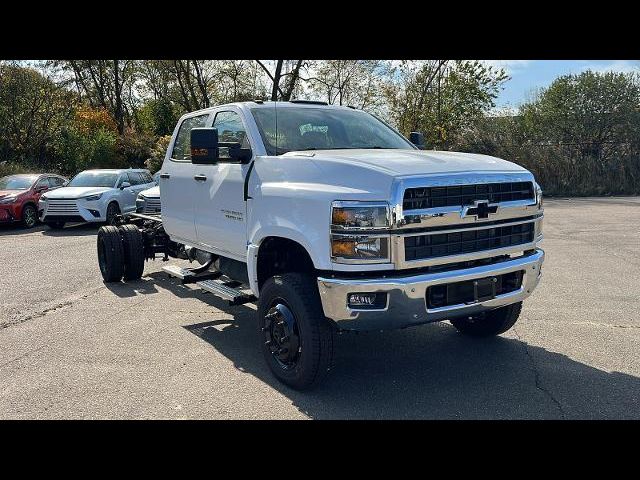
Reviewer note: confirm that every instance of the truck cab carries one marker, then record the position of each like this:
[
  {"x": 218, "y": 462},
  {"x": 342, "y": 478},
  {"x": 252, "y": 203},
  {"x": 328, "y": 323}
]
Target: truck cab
[{"x": 331, "y": 221}]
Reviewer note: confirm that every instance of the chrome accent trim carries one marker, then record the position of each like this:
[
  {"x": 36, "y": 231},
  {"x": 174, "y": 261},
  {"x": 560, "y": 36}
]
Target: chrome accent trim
[
  {"x": 397, "y": 247},
  {"x": 406, "y": 296},
  {"x": 480, "y": 227},
  {"x": 460, "y": 257},
  {"x": 431, "y": 217}
]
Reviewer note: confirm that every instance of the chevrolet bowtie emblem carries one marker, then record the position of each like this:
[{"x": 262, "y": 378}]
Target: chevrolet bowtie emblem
[{"x": 479, "y": 209}]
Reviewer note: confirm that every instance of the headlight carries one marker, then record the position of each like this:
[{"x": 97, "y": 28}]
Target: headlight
[
  {"x": 359, "y": 215},
  {"x": 92, "y": 198},
  {"x": 8, "y": 199},
  {"x": 360, "y": 248},
  {"x": 140, "y": 204},
  {"x": 43, "y": 198}
]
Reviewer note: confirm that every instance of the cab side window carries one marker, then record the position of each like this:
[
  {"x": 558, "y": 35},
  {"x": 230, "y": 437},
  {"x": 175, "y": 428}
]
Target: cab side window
[
  {"x": 230, "y": 129},
  {"x": 182, "y": 146}
]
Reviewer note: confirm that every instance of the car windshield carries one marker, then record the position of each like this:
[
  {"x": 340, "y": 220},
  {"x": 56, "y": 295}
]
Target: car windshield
[
  {"x": 289, "y": 129},
  {"x": 94, "y": 179},
  {"x": 16, "y": 182}
]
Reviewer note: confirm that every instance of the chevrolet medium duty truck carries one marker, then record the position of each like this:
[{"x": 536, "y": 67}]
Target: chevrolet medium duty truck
[{"x": 330, "y": 220}]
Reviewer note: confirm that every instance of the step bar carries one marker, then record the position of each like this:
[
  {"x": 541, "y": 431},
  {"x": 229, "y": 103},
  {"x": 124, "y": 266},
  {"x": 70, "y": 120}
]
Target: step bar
[{"x": 226, "y": 291}]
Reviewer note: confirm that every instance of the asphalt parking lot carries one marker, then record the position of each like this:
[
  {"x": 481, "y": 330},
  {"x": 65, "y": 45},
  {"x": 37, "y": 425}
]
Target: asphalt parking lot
[{"x": 73, "y": 347}]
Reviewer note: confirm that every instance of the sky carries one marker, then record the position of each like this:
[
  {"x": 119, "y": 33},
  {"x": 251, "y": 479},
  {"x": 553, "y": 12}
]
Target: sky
[{"x": 529, "y": 75}]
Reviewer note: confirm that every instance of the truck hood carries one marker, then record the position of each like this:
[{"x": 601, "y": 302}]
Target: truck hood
[
  {"x": 76, "y": 192},
  {"x": 410, "y": 162}
]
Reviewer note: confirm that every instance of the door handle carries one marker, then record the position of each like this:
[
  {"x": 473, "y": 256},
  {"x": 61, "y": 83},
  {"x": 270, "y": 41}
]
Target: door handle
[
  {"x": 200, "y": 178},
  {"x": 165, "y": 175}
]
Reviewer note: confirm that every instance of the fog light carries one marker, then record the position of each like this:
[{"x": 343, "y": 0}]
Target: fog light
[{"x": 367, "y": 301}]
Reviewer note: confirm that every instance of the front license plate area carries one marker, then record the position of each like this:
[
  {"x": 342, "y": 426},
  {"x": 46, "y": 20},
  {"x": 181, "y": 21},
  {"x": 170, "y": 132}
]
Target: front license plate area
[{"x": 484, "y": 289}]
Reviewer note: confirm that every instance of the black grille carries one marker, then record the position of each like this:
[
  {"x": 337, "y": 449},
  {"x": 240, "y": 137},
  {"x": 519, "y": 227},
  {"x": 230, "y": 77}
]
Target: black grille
[
  {"x": 460, "y": 195},
  {"x": 443, "y": 244},
  {"x": 459, "y": 293}
]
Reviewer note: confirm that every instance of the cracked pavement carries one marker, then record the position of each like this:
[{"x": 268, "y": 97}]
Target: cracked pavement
[{"x": 73, "y": 347}]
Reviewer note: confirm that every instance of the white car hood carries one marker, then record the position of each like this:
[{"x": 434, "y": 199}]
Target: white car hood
[
  {"x": 153, "y": 192},
  {"x": 76, "y": 192},
  {"x": 411, "y": 162}
]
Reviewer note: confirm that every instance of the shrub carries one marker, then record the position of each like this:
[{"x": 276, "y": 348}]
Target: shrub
[{"x": 154, "y": 162}]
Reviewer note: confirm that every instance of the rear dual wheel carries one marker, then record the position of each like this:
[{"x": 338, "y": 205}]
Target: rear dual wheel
[{"x": 120, "y": 253}]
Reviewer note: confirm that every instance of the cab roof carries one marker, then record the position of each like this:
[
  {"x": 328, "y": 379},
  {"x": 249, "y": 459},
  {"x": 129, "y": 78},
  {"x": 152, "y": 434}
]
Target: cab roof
[{"x": 271, "y": 104}]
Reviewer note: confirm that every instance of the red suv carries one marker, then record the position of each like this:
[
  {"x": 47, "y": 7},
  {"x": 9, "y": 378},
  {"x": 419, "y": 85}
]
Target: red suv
[{"x": 19, "y": 195}]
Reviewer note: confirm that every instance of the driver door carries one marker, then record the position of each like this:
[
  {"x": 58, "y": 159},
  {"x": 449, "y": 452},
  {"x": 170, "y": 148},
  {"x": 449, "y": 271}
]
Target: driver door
[{"x": 221, "y": 223}]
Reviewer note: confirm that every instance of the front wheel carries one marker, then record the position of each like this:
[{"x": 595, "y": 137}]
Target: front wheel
[
  {"x": 112, "y": 210},
  {"x": 297, "y": 339},
  {"x": 29, "y": 216},
  {"x": 492, "y": 322}
]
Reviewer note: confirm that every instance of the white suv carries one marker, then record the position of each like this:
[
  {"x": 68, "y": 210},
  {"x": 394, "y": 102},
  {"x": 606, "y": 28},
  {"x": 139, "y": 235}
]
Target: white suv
[{"x": 94, "y": 196}]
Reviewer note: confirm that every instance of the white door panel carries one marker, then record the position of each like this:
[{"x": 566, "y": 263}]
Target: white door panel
[
  {"x": 177, "y": 185},
  {"x": 177, "y": 199},
  {"x": 220, "y": 207}
]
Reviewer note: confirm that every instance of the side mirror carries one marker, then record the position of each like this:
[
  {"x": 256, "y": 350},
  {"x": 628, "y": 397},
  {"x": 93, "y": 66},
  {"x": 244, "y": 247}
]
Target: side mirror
[
  {"x": 417, "y": 139},
  {"x": 124, "y": 185},
  {"x": 204, "y": 146},
  {"x": 42, "y": 188}
]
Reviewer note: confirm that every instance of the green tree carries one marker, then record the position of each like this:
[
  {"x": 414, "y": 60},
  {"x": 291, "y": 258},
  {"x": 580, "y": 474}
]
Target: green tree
[
  {"x": 579, "y": 136},
  {"x": 33, "y": 112},
  {"x": 442, "y": 98}
]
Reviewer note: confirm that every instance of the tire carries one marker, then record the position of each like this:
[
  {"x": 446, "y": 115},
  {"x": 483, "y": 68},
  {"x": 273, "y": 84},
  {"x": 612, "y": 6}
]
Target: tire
[
  {"x": 493, "y": 322},
  {"x": 110, "y": 254},
  {"x": 29, "y": 216},
  {"x": 55, "y": 225},
  {"x": 112, "y": 210},
  {"x": 299, "y": 294},
  {"x": 133, "y": 244}
]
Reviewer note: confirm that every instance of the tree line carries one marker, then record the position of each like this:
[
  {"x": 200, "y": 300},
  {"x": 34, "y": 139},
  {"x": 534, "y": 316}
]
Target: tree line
[{"x": 578, "y": 136}]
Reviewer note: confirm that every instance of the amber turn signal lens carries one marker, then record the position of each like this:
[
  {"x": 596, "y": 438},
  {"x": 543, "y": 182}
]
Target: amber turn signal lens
[
  {"x": 339, "y": 217},
  {"x": 343, "y": 248}
]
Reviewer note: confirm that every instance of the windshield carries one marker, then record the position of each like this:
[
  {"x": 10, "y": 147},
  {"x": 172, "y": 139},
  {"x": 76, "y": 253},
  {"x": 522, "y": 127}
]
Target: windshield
[
  {"x": 323, "y": 129},
  {"x": 94, "y": 179},
  {"x": 16, "y": 182}
]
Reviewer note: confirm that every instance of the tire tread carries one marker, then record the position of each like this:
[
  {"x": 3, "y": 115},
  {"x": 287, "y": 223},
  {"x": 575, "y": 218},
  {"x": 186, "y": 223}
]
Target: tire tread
[
  {"x": 114, "y": 257},
  {"x": 133, "y": 253}
]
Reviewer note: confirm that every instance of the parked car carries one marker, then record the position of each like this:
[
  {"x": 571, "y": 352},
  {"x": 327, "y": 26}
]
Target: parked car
[
  {"x": 94, "y": 196},
  {"x": 335, "y": 223},
  {"x": 19, "y": 195},
  {"x": 148, "y": 201}
]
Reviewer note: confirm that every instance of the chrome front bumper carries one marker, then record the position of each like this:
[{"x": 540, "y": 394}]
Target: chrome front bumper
[{"x": 406, "y": 296}]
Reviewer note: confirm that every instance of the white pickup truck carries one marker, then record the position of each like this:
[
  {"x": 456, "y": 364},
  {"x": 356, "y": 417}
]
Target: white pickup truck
[{"x": 330, "y": 220}]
